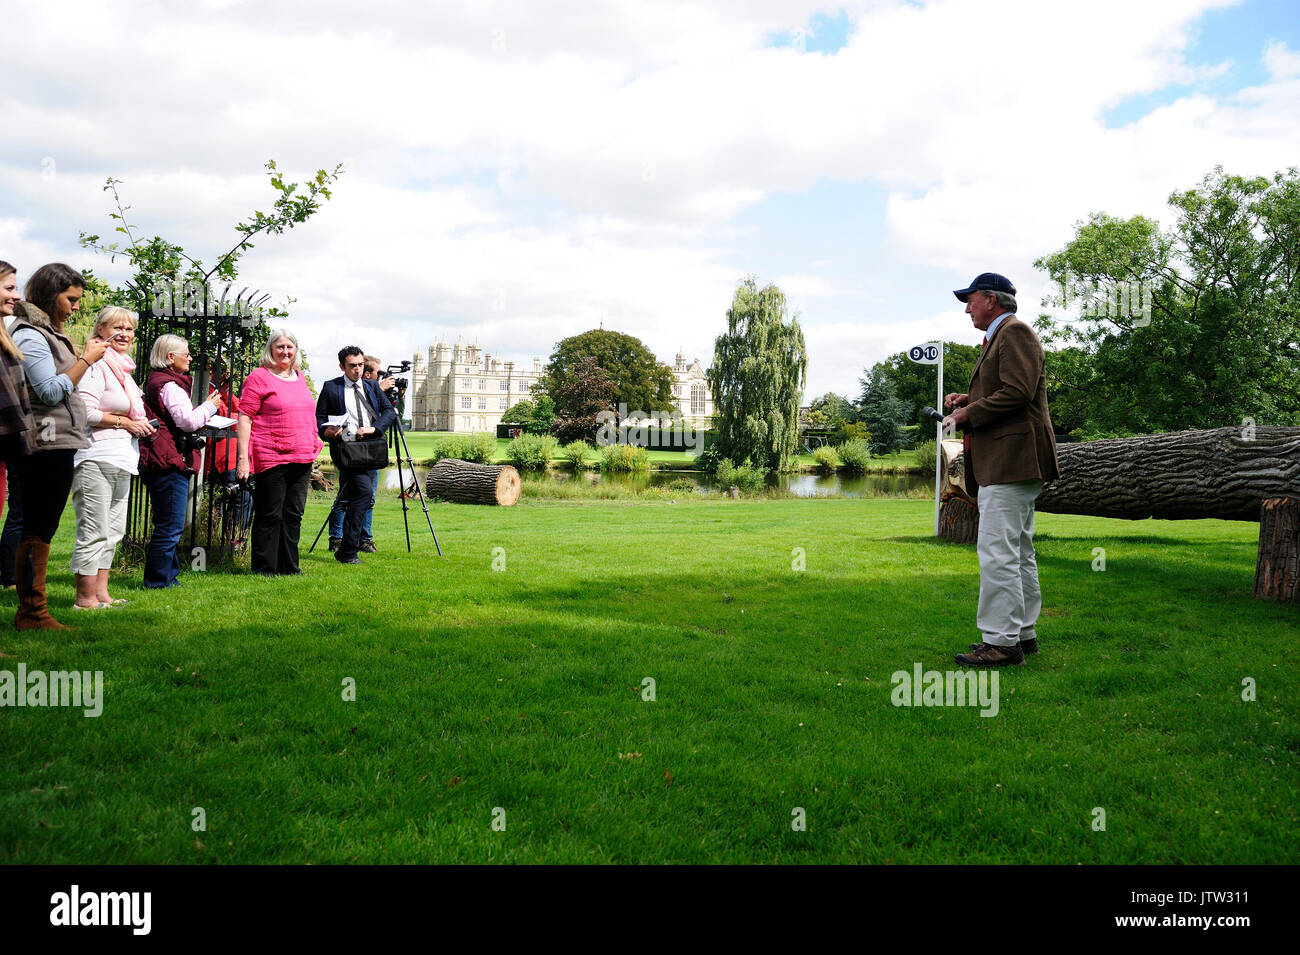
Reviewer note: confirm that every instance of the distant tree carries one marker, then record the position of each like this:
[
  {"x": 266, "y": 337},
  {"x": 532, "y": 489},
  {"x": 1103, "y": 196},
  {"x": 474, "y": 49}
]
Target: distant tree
[
  {"x": 836, "y": 409},
  {"x": 1194, "y": 327},
  {"x": 641, "y": 382},
  {"x": 881, "y": 411},
  {"x": 581, "y": 395},
  {"x": 543, "y": 416},
  {"x": 759, "y": 368},
  {"x": 521, "y": 412}
]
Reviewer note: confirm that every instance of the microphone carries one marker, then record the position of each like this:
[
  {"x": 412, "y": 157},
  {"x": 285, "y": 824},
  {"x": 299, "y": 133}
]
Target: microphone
[{"x": 931, "y": 413}]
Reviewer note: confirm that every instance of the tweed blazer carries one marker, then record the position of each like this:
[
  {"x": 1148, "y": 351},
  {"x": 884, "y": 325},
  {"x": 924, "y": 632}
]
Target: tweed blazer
[{"x": 1008, "y": 421}]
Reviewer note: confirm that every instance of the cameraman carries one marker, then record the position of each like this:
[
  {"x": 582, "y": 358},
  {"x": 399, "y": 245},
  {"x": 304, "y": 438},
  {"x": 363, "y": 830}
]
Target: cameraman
[
  {"x": 368, "y": 413},
  {"x": 340, "y": 507}
]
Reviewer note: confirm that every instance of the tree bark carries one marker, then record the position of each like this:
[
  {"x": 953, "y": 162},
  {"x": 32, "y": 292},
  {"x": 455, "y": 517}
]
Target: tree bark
[
  {"x": 1224, "y": 473},
  {"x": 1277, "y": 571},
  {"x": 454, "y": 480},
  {"x": 959, "y": 520}
]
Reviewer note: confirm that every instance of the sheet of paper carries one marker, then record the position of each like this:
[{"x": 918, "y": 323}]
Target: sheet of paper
[{"x": 217, "y": 421}]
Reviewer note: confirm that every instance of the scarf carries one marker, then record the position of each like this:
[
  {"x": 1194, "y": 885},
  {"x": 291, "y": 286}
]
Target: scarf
[{"x": 121, "y": 367}]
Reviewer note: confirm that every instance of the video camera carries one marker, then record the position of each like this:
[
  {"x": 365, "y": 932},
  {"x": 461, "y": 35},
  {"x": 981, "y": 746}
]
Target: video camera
[{"x": 400, "y": 384}]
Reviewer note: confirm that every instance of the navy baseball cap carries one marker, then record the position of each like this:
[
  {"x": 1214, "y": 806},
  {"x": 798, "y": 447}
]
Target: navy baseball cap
[{"x": 986, "y": 282}]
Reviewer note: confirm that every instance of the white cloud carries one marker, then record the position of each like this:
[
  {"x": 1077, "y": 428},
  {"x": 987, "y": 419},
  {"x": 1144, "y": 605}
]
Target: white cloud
[{"x": 518, "y": 173}]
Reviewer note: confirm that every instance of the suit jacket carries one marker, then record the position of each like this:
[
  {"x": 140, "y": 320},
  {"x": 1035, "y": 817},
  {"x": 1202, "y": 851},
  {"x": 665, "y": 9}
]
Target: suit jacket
[
  {"x": 382, "y": 414},
  {"x": 1009, "y": 426}
]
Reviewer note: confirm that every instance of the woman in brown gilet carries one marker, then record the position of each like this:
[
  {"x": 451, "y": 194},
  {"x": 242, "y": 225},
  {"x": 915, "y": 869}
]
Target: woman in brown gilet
[{"x": 53, "y": 368}]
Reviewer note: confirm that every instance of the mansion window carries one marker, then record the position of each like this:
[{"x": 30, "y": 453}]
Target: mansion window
[
  {"x": 482, "y": 385},
  {"x": 698, "y": 394},
  {"x": 482, "y": 404},
  {"x": 503, "y": 403},
  {"x": 465, "y": 402},
  {"x": 505, "y": 385}
]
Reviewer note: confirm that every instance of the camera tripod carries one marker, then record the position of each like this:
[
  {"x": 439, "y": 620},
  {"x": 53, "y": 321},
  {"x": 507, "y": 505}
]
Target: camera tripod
[{"x": 397, "y": 443}]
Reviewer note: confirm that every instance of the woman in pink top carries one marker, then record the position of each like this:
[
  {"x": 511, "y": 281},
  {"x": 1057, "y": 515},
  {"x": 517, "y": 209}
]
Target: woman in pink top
[
  {"x": 277, "y": 444},
  {"x": 101, "y": 477}
]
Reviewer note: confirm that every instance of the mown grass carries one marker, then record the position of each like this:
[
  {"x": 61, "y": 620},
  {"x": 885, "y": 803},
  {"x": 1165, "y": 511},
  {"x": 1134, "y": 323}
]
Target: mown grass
[{"x": 521, "y": 688}]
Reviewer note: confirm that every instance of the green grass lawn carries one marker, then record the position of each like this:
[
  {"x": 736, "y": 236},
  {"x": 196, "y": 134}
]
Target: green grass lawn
[{"x": 521, "y": 688}]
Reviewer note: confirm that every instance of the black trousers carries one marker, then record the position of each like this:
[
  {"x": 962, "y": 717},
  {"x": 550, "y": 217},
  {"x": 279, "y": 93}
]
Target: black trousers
[
  {"x": 13, "y": 529},
  {"x": 356, "y": 489},
  {"x": 46, "y": 478},
  {"x": 279, "y": 498}
]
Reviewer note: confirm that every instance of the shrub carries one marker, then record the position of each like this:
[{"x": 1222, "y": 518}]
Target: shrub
[
  {"x": 624, "y": 457},
  {"x": 707, "y": 460},
  {"x": 478, "y": 448},
  {"x": 684, "y": 485},
  {"x": 744, "y": 476},
  {"x": 826, "y": 458},
  {"x": 575, "y": 453},
  {"x": 530, "y": 452},
  {"x": 925, "y": 452},
  {"x": 855, "y": 455}
]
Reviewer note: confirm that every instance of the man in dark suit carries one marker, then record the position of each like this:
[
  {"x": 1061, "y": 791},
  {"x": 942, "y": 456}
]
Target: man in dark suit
[
  {"x": 368, "y": 413},
  {"x": 1010, "y": 453}
]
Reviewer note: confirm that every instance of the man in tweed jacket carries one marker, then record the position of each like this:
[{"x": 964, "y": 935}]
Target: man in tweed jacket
[{"x": 1010, "y": 454}]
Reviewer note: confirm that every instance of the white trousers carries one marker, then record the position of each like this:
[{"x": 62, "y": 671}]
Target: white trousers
[
  {"x": 1009, "y": 597},
  {"x": 99, "y": 493}
]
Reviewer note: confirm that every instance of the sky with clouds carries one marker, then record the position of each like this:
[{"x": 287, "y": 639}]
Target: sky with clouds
[{"x": 517, "y": 172}]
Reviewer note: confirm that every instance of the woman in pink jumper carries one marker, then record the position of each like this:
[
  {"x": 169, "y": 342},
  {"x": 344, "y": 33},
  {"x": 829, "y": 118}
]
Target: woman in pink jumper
[{"x": 277, "y": 445}]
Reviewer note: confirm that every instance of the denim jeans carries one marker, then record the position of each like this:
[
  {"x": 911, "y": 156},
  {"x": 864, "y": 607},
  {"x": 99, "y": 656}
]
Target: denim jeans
[
  {"x": 168, "y": 495},
  {"x": 341, "y": 507}
]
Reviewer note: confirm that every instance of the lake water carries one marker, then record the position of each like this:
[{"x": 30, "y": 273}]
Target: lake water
[{"x": 802, "y": 485}]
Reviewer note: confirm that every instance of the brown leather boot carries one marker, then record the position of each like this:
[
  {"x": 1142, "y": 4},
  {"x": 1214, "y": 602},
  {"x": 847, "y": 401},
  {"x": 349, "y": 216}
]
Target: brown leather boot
[{"x": 32, "y": 560}]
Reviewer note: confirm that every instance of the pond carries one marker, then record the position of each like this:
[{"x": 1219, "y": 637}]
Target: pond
[
  {"x": 802, "y": 485},
  {"x": 806, "y": 484}
]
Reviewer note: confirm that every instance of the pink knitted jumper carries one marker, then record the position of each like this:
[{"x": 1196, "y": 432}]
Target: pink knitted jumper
[{"x": 283, "y": 417}]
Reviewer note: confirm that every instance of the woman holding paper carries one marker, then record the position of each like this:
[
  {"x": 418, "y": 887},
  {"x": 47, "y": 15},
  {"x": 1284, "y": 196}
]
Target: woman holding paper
[
  {"x": 169, "y": 459},
  {"x": 101, "y": 477}
]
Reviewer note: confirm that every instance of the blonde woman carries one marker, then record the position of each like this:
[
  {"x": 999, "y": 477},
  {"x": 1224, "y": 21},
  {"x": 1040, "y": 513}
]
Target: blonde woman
[
  {"x": 101, "y": 478},
  {"x": 277, "y": 444}
]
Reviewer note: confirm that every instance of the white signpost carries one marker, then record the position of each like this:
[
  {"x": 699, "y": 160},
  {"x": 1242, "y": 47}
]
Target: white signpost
[{"x": 931, "y": 353}]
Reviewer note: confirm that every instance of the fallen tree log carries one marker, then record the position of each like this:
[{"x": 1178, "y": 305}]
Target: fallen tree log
[
  {"x": 455, "y": 480},
  {"x": 1183, "y": 475}
]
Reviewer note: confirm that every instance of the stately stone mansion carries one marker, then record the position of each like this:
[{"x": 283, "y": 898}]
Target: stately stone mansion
[{"x": 463, "y": 388}]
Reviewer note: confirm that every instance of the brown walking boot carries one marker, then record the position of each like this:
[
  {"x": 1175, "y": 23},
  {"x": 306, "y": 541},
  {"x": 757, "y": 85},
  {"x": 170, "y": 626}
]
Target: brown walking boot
[{"x": 31, "y": 563}]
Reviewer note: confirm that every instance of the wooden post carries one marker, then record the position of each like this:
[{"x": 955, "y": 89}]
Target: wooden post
[{"x": 1277, "y": 570}]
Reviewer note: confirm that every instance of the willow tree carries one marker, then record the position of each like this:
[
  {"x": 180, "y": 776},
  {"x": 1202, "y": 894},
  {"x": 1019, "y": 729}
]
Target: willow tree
[{"x": 757, "y": 378}]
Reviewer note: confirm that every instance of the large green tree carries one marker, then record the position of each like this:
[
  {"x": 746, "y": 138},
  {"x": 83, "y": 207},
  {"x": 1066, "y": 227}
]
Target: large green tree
[
  {"x": 580, "y": 398},
  {"x": 641, "y": 382},
  {"x": 759, "y": 368},
  {"x": 1196, "y": 326}
]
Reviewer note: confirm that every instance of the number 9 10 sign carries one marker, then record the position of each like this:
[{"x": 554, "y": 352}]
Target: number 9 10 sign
[{"x": 927, "y": 354}]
